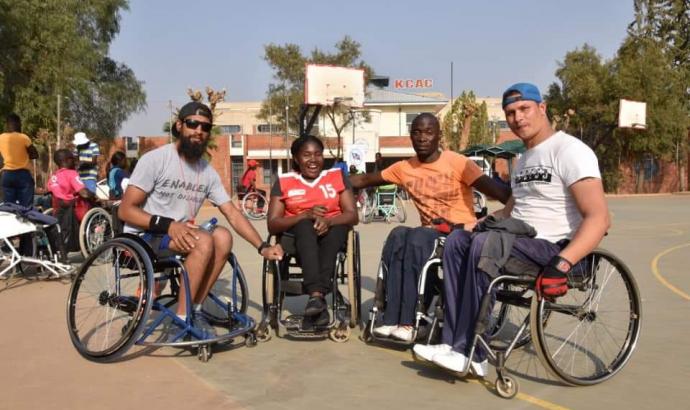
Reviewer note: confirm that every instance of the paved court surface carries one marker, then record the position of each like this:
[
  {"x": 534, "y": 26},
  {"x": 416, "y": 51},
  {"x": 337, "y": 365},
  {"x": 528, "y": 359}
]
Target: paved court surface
[{"x": 40, "y": 368}]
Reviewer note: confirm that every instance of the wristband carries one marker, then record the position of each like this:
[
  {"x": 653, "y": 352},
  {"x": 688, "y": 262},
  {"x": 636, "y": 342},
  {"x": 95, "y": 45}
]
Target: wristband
[
  {"x": 263, "y": 246},
  {"x": 159, "y": 224},
  {"x": 560, "y": 264}
]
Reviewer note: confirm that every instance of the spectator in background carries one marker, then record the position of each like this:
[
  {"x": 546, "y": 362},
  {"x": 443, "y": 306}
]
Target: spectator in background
[
  {"x": 17, "y": 152},
  {"x": 117, "y": 173},
  {"x": 378, "y": 162},
  {"x": 17, "y": 183},
  {"x": 87, "y": 153},
  {"x": 339, "y": 163}
]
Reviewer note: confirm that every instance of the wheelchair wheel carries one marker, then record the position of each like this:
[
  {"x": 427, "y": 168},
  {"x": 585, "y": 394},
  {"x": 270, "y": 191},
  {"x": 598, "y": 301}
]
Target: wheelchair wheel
[
  {"x": 507, "y": 317},
  {"x": 95, "y": 229},
  {"x": 586, "y": 336},
  {"x": 250, "y": 206},
  {"x": 229, "y": 294},
  {"x": 354, "y": 278},
  {"x": 110, "y": 300},
  {"x": 480, "y": 209},
  {"x": 400, "y": 213},
  {"x": 365, "y": 206}
]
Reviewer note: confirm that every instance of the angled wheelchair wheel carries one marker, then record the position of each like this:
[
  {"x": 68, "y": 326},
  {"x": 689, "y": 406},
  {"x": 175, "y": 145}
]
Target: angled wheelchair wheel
[
  {"x": 251, "y": 208},
  {"x": 229, "y": 294},
  {"x": 110, "y": 299},
  {"x": 95, "y": 229},
  {"x": 586, "y": 336},
  {"x": 509, "y": 313},
  {"x": 400, "y": 212},
  {"x": 354, "y": 278}
]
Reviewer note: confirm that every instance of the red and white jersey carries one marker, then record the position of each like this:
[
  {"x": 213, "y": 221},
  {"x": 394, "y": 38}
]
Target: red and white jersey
[{"x": 300, "y": 195}]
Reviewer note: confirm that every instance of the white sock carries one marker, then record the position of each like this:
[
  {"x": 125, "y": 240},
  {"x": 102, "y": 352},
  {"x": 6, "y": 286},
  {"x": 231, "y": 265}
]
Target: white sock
[
  {"x": 197, "y": 307},
  {"x": 183, "y": 317}
]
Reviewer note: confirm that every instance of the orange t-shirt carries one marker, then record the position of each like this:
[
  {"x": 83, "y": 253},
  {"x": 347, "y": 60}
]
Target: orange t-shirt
[{"x": 441, "y": 189}]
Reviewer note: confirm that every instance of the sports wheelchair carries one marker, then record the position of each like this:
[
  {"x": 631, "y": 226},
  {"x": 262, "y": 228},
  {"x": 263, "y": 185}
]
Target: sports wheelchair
[
  {"x": 283, "y": 278},
  {"x": 112, "y": 304},
  {"x": 582, "y": 338},
  {"x": 385, "y": 203},
  {"x": 17, "y": 220}
]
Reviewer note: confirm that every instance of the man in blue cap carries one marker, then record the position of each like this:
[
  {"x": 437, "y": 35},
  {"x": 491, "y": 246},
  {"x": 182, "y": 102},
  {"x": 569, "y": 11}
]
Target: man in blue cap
[{"x": 556, "y": 190}]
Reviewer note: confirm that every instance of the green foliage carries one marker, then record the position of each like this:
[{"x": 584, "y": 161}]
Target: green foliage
[
  {"x": 652, "y": 65},
  {"x": 52, "y": 47},
  {"x": 289, "y": 63},
  {"x": 452, "y": 123}
]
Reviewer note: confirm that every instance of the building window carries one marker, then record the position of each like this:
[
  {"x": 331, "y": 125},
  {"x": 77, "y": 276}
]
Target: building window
[
  {"x": 409, "y": 117},
  {"x": 131, "y": 144},
  {"x": 236, "y": 141},
  {"x": 266, "y": 128},
  {"x": 230, "y": 129},
  {"x": 237, "y": 171},
  {"x": 266, "y": 164}
]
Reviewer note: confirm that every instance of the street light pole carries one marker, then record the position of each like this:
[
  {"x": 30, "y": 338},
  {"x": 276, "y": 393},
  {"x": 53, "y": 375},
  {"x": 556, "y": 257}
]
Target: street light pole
[{"x": 58, "y": 120}]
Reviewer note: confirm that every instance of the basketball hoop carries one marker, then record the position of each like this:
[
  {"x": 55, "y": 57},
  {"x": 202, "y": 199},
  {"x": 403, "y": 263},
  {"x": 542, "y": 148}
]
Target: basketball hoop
[{"x": 632, "y": 114}]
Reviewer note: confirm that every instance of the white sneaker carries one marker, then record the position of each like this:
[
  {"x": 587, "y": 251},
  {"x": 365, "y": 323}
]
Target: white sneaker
[
  {"x": 427, "y": 352},
  {"x": 453, "y": 361},
  {"x": 385, "y": 330},
  {"x": 403, "y": 333},
  {"x": 480, "y": 369}
]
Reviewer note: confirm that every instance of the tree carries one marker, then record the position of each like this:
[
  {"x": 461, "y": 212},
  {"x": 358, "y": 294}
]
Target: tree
[
  {"x": 289, "y": 64},
  {"x": 60, "y": 47},
  {"x": 466, "y": 124}
]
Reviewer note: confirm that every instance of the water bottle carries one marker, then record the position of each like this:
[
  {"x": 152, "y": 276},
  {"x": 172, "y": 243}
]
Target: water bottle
[{"x": 209, "y": 225}]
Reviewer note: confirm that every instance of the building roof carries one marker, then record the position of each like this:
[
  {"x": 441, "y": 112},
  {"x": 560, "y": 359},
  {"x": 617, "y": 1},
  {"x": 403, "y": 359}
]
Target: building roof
[{"x": 378, "y": 96}]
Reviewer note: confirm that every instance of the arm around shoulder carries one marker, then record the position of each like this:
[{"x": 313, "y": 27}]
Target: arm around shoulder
[{"x": 367, "y": 180}]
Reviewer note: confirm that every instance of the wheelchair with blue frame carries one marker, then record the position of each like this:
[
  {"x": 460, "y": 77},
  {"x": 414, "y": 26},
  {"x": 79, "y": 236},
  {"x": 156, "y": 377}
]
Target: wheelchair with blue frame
[
  {"x": 282, "y": 279},
  {"x": 112, "y": 303}
]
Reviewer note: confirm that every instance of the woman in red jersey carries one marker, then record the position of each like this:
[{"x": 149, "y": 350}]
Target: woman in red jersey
[{"x": 317, "y": 207}]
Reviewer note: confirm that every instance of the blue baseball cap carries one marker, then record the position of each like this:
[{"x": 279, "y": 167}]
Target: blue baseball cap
[{"x": 527, "y": 91}]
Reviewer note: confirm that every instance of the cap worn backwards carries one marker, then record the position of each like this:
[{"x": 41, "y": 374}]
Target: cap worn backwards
[
  {"x": 526, "y": 91},
  {"x": 192, "y": 108}
]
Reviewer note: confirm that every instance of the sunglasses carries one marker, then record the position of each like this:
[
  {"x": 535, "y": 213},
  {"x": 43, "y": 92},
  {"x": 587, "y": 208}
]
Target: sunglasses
[{"x": 194, "y": 124}]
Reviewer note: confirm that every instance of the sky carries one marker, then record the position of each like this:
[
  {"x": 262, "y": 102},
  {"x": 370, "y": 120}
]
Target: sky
[{"x": 172, "y": 45}]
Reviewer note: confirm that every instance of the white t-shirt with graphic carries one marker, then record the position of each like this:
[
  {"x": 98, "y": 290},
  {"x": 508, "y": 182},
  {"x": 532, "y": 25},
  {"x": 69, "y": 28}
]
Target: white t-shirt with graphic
[{"x": 540, "y": 185}]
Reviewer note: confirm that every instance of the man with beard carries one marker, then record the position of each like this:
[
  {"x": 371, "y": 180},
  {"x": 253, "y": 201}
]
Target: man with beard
[
  {"x": 440, "y": 185},
  {"x": 164, "y": 195}
]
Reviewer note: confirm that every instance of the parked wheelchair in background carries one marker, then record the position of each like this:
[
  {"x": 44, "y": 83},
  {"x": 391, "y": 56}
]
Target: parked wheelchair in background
[
  {"x": 253, "y": 204},
  {"x": 384, "y": 203}
]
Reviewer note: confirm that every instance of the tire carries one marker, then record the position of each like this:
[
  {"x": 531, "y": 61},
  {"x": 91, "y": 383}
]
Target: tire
[
  {"x": 250, "y": 206},
  {"x": 400, "y": 213},
  {"x": 110, "y": 300},
  {"x": 592, "y": 330},
  {"x": 229, "y": 294},
  {"x": 479, "y": 203},
  {"x": 95, "y": 229},
  {"x": 506, "y": 319},
  {"x": 353, "y": 278}
]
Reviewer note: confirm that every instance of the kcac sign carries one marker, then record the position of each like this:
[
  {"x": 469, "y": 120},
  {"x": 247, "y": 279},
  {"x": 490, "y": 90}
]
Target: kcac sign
[{"x": 418, "y": 83}]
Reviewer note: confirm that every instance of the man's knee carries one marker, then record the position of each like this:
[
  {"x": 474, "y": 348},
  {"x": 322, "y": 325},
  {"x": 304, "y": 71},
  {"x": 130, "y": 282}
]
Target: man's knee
[
  {"x": 222, "y": 240},
  {"x": 458, "y": 241},
  {"x": 203, "y": 245}
]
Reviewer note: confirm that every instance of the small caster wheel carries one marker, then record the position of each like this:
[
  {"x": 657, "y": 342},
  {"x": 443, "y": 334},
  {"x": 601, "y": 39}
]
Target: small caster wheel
[
  {"x": 204, "y": 353},
  {"x": 250, "y": 340},
  {"x": 263, "y": 333},
  {"x": 340, "y": 334},
  {"x": 506, "y": 387},
  {"x": 365, "y": 336}
]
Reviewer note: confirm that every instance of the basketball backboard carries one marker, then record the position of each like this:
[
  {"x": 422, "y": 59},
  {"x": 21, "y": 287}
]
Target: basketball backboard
[
  {"x": 328, "y": 85},
  {"x": 632, "y": 114}
]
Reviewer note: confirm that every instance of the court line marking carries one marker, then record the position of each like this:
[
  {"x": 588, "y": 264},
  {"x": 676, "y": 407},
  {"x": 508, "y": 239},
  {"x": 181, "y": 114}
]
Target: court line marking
[
  {"x": 486, "y": 383},
  {"x": 660, "y": 277}
]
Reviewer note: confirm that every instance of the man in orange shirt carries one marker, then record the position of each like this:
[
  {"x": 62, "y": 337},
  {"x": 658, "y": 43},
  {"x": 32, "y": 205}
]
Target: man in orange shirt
[
  {"x": 17, "y": 183},
  {"x": 440, "y": 185}
]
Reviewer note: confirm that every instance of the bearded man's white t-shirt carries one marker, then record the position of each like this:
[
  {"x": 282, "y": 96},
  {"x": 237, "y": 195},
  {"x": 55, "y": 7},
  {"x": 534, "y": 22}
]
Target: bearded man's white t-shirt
[{"x": 540, "y": 185}]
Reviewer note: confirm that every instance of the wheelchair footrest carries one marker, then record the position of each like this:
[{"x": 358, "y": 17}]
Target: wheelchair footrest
[{"x": 296, "y": 324}]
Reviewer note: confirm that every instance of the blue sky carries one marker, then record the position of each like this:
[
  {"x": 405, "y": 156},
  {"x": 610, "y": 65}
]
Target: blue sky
[{"x": 174, "y": 44}]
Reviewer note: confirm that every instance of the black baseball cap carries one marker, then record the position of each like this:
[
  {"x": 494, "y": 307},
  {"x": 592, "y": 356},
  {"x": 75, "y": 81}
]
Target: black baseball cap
[{"x": 192, "y": 108}]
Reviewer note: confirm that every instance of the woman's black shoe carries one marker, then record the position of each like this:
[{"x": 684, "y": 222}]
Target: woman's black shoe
[{"x": 315, "y": 305}]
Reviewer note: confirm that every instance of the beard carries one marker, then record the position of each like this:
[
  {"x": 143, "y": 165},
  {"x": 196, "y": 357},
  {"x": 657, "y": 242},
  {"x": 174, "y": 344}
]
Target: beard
[{"x": 191, "y": 150}]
